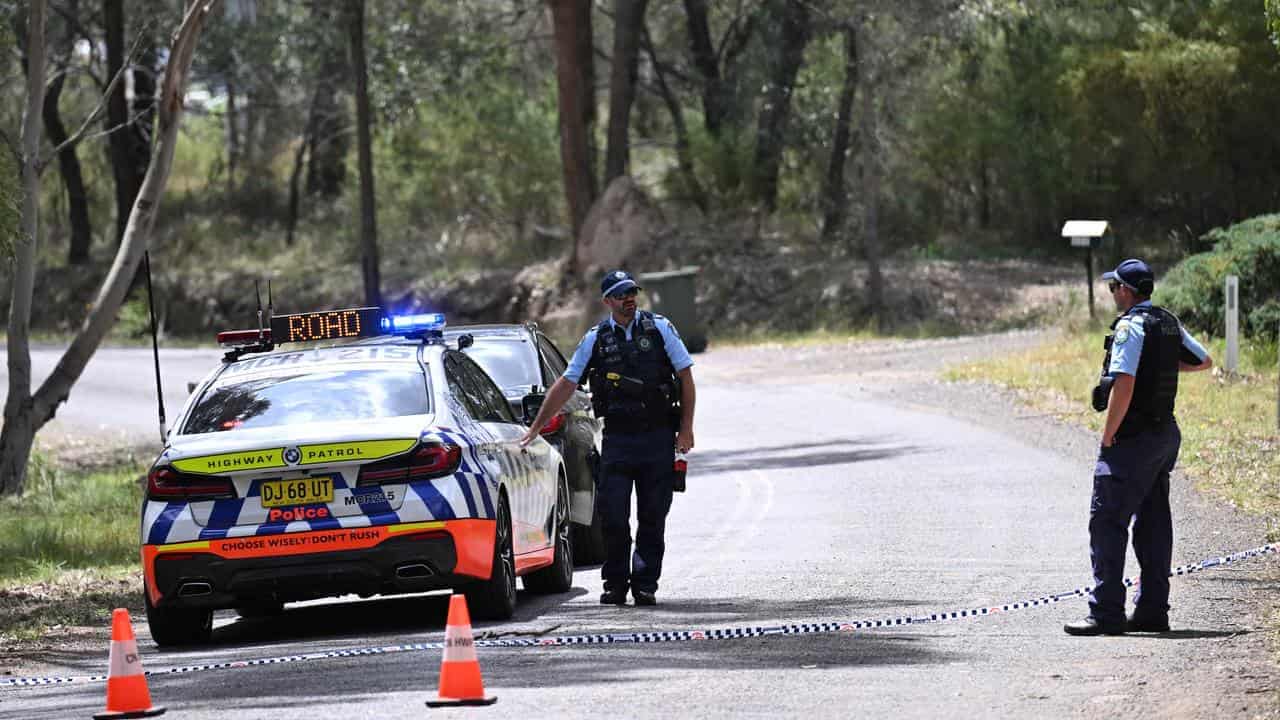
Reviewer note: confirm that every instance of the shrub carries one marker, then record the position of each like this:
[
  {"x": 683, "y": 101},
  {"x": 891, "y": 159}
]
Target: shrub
[{"x": 1251, "y": 250}]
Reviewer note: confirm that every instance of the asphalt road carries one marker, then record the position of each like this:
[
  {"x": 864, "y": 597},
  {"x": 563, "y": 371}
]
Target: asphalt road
[{"x": 828, "y": 484}]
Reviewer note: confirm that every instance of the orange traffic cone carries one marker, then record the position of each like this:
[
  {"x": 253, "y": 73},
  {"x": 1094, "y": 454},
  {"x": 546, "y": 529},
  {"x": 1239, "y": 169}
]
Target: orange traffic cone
[
  {"x": 460, "y": 682},
  {"x": 127, "y": 695}
]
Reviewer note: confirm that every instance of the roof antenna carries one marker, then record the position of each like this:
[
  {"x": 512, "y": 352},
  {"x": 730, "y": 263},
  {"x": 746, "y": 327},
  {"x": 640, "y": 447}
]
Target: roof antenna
[
  {"x": 155, "y": 343},
  {"x": 257, "y": 290},
  {"x": 270, "y": 307}
]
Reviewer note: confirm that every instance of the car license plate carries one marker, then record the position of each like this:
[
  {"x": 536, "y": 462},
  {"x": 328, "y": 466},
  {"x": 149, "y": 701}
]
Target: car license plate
[{"x": 300, "y": 491}]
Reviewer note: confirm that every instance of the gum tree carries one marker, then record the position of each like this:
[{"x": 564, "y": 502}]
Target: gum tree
[{"x": 26, "y": 412}]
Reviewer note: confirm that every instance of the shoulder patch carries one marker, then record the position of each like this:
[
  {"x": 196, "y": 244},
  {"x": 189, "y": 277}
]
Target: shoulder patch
[{"x": 1122, "y": 333}]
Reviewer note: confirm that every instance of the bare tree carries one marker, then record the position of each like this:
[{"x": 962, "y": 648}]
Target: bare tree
[
  {"x": 364, "y": 141},
  {"x": 25, "y": 412}
]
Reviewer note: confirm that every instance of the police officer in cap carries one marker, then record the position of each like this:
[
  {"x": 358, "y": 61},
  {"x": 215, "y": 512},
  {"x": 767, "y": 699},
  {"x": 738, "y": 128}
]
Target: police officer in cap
[
  {"x": 642, "y": 385},
  {"x": 1146, "y": 350}
]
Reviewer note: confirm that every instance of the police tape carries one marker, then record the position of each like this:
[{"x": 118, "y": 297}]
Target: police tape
[{"x": 665, "y": 636}]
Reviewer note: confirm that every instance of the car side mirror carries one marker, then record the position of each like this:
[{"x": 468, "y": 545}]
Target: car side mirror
[
  {"x": 530, "y": 405},
  {"x": 191, "y": 387},
  {"x": 465, "y": 341}
]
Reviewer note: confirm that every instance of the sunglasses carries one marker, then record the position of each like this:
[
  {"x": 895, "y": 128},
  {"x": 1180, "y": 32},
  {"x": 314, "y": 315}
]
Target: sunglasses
[
  {"x": 631, "y": 292},
  {"x": 1113, "y": 285}
]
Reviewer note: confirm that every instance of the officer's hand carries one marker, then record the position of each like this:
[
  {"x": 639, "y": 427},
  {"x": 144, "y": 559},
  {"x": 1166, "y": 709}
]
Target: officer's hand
[
  {"x": 529, "y": 437},
  {"x": 684, "y": 441}
]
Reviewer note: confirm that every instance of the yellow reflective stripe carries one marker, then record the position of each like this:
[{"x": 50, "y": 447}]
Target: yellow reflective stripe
[
  {"x": 349, "y": 451},
  {"x": 232, "y": 462},
  {"x": 199, "y": 545},
  {"x": 413, "y": 527}
]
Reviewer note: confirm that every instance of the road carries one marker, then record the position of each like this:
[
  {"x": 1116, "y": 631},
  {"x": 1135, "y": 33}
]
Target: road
[{"x": 830, "y": 483}]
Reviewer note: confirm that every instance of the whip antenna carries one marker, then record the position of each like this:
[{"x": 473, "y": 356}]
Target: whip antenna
[
  {"x": 257, "y": 290},
  {"x": 155, "y": 343}
]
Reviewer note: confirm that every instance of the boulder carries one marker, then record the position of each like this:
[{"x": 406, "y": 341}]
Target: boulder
[{"x": 624, "y": 228}]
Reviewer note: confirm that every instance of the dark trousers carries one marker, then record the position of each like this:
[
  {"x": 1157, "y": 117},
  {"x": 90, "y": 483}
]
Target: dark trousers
[
  {"x": 1131, "y": 480},
  {"x": 643, "y": 461}
]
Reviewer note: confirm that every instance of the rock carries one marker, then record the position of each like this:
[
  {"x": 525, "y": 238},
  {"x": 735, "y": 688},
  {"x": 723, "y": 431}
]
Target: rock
[{"x": 624, "y": 228}]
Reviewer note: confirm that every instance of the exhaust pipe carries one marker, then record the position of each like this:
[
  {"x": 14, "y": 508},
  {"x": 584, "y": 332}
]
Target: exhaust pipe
[
  {"x": 413, "y": 571},
  {"x": 195, "y": 589}
]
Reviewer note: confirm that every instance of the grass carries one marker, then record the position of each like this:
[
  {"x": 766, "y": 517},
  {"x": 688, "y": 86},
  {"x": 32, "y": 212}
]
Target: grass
[
  {"x": 1230, "y": 440},
  {"x": 69, "y": 548}
]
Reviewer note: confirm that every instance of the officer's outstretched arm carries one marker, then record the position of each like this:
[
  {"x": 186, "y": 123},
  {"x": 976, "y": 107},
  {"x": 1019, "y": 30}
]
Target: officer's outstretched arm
[{"x": 559, "y": 394}]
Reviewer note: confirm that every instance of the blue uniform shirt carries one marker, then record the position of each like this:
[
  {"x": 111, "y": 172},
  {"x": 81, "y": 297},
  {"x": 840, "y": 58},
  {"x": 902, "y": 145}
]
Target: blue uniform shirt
[
  {"x": 676, "y": 351},
  {"x": 1126, "y": 347}
]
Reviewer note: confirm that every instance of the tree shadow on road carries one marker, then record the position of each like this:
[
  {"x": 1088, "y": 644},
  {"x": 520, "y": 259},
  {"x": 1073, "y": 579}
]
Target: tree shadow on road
[{"x": 781, "y": 457}]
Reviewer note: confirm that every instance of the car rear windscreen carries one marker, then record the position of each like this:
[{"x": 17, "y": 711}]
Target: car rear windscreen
[
  {"x": 511, "y": 363},
  {"x": 326, "y": 396}
]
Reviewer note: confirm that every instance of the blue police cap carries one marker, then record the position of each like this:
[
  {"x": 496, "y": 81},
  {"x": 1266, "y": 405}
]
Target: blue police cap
[
  {"x": 1135, "y": 274},
  {"x": 616, "y": 281}
]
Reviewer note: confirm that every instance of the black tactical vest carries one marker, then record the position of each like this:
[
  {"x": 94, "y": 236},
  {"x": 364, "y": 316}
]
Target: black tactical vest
[
  {"x": 1156, "y": 383},
  {"x": 633, "y": 384}
]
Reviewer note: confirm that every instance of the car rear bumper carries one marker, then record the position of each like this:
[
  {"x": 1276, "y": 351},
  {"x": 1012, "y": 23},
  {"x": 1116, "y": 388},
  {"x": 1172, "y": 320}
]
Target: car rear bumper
[{"x": 228, "y": 572}]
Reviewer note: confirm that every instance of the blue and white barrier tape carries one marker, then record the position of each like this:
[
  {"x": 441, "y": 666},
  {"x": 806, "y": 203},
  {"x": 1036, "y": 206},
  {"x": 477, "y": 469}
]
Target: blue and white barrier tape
[{"x": 658, "y": 636}]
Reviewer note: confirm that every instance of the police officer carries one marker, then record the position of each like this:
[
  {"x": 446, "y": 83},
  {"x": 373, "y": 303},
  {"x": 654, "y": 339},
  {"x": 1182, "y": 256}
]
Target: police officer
[
  {"x": 1146, "y": 350},
  {"x": 642, "y": 385}
]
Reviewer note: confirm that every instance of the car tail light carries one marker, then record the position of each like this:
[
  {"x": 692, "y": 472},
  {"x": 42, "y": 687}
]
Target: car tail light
[
  {"x": 554, "y": 425},
  {"x": 165, "y": 483},
  {"x": 429, "y": 460}
]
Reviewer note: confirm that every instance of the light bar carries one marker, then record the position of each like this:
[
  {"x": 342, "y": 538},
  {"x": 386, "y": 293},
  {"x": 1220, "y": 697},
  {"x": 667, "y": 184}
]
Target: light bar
[
  {"x": 413, "y": 324},
  {"x": 243, "y": 337}
]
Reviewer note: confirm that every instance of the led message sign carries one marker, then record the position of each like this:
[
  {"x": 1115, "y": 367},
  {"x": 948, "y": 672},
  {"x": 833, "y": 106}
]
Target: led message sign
[{"x": 349, "y": 323}]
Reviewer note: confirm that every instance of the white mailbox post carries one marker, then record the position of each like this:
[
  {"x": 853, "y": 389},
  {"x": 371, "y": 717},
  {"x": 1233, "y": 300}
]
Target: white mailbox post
[{"x": 1087, "y": 234}]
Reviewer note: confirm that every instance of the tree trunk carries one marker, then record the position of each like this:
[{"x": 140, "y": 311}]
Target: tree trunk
[
  {"x": 19, "y": 424},
  {"x": 25, "y": 414},
  {"x": 835, "y": 198},
  {"x": 684, "y": 156},
  {"x": 68, "y": 160},
  {"x": 330, "y": 141},
  {"x": 571, "y": 20},
  {"x": 296, "y": 175},
  {"x": 364, "y": 142},
  {"x": 792, "y": 29},
  {"x": 628, "y": 19},
  {"x": 871, "y": 251}
]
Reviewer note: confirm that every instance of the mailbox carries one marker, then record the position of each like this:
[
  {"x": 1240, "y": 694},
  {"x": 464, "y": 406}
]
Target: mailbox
[{"x": 1086, "y": 233}]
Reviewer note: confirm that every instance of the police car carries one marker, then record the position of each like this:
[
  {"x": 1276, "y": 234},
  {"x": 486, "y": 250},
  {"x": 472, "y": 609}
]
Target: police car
[{"x": 373, "y": 459}]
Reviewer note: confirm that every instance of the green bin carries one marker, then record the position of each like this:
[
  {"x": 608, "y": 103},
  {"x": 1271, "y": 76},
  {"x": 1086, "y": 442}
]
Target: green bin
[{"x": 672, "y": 293}]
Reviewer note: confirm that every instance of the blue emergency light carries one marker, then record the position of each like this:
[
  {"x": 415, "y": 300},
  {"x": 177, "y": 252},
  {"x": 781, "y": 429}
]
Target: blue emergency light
[{"x": 420, "y": 324}]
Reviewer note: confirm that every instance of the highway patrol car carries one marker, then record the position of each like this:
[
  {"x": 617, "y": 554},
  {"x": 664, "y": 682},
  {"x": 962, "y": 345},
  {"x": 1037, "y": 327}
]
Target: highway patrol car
[{"x": 375, "y": 459}]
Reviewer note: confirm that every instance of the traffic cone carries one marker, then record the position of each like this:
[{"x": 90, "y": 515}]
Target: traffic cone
[
  {"x": 127, "y": 695},
  {"x": 460, "y": 682}
]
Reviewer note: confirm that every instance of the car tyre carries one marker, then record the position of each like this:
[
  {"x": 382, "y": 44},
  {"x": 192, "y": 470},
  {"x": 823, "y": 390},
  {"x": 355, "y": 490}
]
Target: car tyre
[
  {"x": 178, "y": 626},
  {"x": 495, "y": 598},
  {"x": 558, "y": 576}
]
